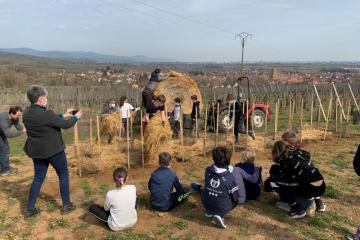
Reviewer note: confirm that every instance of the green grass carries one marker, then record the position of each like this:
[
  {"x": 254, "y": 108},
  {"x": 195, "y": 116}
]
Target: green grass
[
  {"x": 340, "y": 162},
  {"x": 59, "y": 223},
  {"x": 50, "y": 207},
  {"x": 85, "y": 186},
  {"x": 127, "y": 235},
  {"x": 103, "y": 189},
  {"x": 181, "y": 224},
  {"x": 331, "y": 192}
]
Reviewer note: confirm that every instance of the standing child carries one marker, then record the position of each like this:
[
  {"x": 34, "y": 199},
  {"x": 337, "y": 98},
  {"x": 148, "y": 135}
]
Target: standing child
[
  {"x": 248, "y": 176},
  {"x": 176, "y": 117},
  {"x": 161, "y": 185},
  {"x": 119, "y": 210},
  {"x": 221, "y": 193},
  {"x": 126, "y": 110},
  {"x": 195, "y": 113}
]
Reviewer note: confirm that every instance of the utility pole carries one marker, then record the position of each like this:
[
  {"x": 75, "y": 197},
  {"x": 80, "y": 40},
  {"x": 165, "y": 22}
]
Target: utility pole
[{"x": 242, "y": 36}]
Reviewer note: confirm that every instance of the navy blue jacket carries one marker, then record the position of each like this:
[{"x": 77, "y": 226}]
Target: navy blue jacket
[
  {"x": 221, "y": 192},
  {"x": 161, "y": 186},
  {"x": 252, "y": 190}
]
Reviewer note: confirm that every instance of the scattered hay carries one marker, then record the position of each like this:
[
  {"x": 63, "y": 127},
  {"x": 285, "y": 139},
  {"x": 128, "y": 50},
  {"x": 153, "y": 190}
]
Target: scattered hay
[
  {"x": 156, "y": 139},
  {"x": 110, "y": 125},
  {"x": 181, "y": 86}
]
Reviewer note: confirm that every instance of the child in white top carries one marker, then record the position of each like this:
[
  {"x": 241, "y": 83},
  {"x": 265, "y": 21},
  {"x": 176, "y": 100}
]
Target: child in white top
[
  {"x": 119, "y": 210},
  {"x": 126, "y": 110}
]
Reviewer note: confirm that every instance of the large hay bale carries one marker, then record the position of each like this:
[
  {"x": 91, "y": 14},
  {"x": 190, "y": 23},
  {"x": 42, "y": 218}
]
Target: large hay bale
[
  {"x": 110, "y": 125},
  {"x": 181, "y": 86},
  {"x": 156, "y": 139}
]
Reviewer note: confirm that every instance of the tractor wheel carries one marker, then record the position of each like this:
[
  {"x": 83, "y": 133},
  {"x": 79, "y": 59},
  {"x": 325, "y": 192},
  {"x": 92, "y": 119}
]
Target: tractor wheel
[{"x": 259, "y": 118}]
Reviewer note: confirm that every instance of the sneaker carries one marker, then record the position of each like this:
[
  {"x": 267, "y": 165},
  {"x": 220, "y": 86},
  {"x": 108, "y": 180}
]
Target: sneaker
[
  {"x": 68, "y": 208},
  {"x": 310, "y": 211},
  {"x": 350, "y": 237},
  {"x": 196, "y": 186},
  {"x": 283, "y": 205},
  {"x": 31, "y": 213},
  {"x": 219, "y": 221},
  {"x": 320, "y": 205},
  {"x": 208, "y": 215},
  {"x": 296, "y": 212}
]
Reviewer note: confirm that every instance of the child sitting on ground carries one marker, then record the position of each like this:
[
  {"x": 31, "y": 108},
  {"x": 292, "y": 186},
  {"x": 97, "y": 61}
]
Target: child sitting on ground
[
  {"x": 221, "y": 193},
  {"x": 161, "y": 184},
  {"x": 119, "y": 210},
  {"x": 291, "y": 138},
  {"x": 295, "y": 179},
  {"x": 248, "y": 176}
]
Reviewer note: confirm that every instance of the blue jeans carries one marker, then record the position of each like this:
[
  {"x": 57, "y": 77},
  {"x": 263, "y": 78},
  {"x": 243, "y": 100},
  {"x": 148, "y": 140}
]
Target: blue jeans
[
  {"x": 4, "y": 155},
  {"x": 59, "y": 163}
]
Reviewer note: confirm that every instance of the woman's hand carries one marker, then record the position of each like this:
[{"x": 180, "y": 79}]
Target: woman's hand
[{"x": 68, "y": 112}]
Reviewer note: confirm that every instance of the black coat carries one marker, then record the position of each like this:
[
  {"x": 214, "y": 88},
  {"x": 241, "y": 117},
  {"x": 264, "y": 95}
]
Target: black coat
[
  {"x": 356, "y": 162},
  {"x": 43, "y": 128}
]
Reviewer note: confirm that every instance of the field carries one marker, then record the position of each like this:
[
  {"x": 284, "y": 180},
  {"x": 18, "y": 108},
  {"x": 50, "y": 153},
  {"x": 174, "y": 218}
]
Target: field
[{"x": 253, "y": 220}]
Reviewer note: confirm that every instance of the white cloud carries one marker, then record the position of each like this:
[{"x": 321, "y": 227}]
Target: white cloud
[{"x": 61, "y": 27}]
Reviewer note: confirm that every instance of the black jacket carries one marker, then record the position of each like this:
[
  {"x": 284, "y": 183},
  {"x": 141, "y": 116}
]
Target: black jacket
[
  {"x": 195, "y": 109},
  {"x": 43, "y": 128},
  {"x": 356, "y": 161}
]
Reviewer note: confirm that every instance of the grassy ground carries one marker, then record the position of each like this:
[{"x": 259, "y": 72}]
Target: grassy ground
[{"x": 253, "y": 220}]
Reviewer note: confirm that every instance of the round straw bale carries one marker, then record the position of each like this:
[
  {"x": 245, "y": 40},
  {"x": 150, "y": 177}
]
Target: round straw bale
[
  {"x": 110, "y": 125},
  {"x": 179, "y": 86}
]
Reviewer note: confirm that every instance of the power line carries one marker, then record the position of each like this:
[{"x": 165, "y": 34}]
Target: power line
[{"x": 183, "y": 17}]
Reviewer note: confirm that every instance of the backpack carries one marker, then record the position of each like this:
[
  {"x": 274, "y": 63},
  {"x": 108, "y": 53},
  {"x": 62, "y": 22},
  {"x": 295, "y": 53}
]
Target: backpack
[{"x": 356, "y": 162}]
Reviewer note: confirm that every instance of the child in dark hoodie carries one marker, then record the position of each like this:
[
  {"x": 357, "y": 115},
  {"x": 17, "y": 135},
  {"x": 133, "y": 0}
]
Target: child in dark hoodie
[
  {"x": 161, "y": 185},
  {"x": 220, "y": 194}
]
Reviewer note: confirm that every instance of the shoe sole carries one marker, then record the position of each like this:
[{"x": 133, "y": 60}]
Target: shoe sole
[
  {"x": 321, "y": 209},
  {"x": 219, "y": 222},
  {"x": 298, "y": 216}
]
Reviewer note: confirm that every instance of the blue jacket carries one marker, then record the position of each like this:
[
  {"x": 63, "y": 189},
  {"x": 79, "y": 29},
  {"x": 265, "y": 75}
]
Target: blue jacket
[
  {"x": 161, "y": 186},
  {"x": 221, "y": 193},
  {"x": 252, "y": 189}
]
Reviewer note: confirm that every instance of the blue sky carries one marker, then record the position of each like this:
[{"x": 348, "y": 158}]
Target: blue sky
[{"x": 283, "y": 30}]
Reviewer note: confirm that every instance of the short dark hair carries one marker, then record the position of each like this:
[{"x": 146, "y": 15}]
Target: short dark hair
[
  {"x": 120, "y": 175},
  {"x": 13, "y": 110},
  {"x": 164, "y": 159},
  {"x": 221, "y": 157},
  {"x": 194, "y": 97},
  {"x": 177, "y": 100},
  {"x": 34, "y": 92},
  {"x": 160, "y": 98},
  {"x": 157, "y": 70}
]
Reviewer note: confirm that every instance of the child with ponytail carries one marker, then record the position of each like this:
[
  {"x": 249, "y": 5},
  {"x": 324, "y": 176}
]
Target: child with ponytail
[{"x": 119, "y": 211}]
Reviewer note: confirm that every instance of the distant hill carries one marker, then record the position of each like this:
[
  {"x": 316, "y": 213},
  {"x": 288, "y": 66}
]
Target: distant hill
[{"x": 80, "y": 56}]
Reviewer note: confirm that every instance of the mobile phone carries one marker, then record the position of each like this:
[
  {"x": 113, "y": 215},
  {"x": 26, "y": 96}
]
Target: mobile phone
[{"x": 73, "y": 112}]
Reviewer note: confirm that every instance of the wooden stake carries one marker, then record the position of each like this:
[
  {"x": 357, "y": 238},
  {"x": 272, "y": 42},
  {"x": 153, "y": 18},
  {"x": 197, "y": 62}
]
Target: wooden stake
[
  {"x": 318, "y": 118},
  {"x": 142, "y": 138},
  {"x": 276, "y": 119},
  {"x": 233, "y": 129},
  {"x": 353, "y": 97},
  {"x": 348, "y": 116},
  {"x": 247, "y": 122},
  {"x": 312, "y": 109},
  {"x": 328, "y": 116},
  {"x": 205, "y": 123},
  {"x": 128, "y": 140},
  {"x": 338, "y": 100},
  {"x": 182, "y": 134},
  {"x": 196, "y": 122},
  {"x": 217, "y": 124},
  {"x": 91, "y": 136},
  {"x": 301, "y": 118},
  {"x": 99, "y": 140},
  {"x": 289, "y": 117},
  {"x": 227, "y": 129},
  {"x": 320, "y": 103},
  {"x": 76, "y": 145}
]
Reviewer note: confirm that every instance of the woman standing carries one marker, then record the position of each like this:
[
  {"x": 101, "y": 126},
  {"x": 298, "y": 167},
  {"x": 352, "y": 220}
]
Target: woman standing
[{"x": 45, "y": 145}]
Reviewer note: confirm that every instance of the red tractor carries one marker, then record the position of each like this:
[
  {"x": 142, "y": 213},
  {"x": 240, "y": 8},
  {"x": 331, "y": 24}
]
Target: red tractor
[
  {"x": 257, "y": 118},
  {"x": 257, "y": 113}
]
